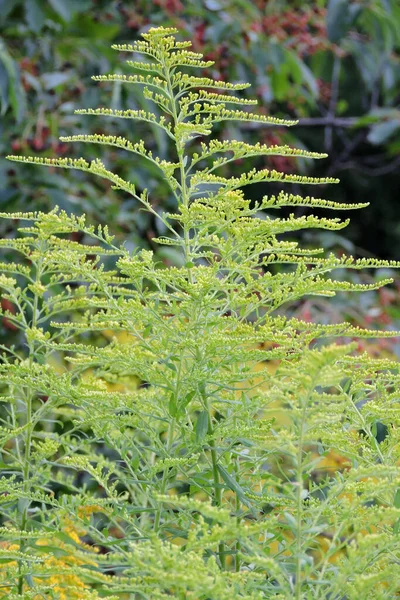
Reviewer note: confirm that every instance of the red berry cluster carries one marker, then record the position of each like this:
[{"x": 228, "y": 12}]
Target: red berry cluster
[
  {"x": 6, "y": 306},
  {"x": 324, "y": 91},
  {"x": 170, "y": 6},
  {"x": 132, "y": 19},
  {"x": 284, "y": 164},
  {"x": 27, "y": 65},
  {"x": 135, "y": 18},
  {"x": 39, "y": 142},
  {"x": 303, "y": 30}
]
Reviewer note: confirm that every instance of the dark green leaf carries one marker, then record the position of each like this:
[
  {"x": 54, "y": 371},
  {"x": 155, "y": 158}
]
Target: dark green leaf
[
  {"x": 280, "y": 83},
  {"x": 383, "y": 131},
  {"x": 345, "y": 384},
  {"x": 172, "y": 406},
  {"x": 3, "y": 89},
  {"x": 6, "y": 6},
  {"x": 35, "y": 16},
  {"x": 171, "y": 366},
  {"x": 17, "y": 95},
  {"x": 233, "y": 485},
  {"x": 308, "y": 78},
  {"x": 201, "y": 426},
  {"x": 52, "y": 80},
  {"x": 147, "y": 330},
  {"x": 189, "y": 397},
  {"x": 91, "y": 29},
  {"x": 62, "y": 8},
  {"x": 341, "y": 16},
  {"x": 397, "y": 499}
]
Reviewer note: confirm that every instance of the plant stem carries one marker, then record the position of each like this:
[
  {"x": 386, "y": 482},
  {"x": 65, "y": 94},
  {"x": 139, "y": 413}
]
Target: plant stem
[
  {"x": 299, "y": 498},
  {"x": 171, "y": 428},
  {"x": 216, "y": 480},
  {"x": 25, "y": 476},
  {"x": 238, "y": 520},
  {"x": 28, "y": 440},
  {"x": 298, "y": 582},
  {"x": 181, "y": 160}
]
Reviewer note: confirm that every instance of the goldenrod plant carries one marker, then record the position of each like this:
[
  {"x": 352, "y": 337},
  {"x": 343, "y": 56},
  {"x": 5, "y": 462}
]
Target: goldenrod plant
[{"x": 167, "y": 432}]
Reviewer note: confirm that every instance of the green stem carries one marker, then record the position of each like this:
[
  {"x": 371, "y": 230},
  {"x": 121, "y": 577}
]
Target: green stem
[
  {"x": 216, "y": 480},
  {"x": 187, "y": 251},
  {"x": 181, "y": 158},
  {"x": 238, "y": 520},
  {"x": 29, "y": 430},
  {"x": 171, "y": 428},
  {"x": 299, "y": 498},
  {"x": 298, "y": 582}
]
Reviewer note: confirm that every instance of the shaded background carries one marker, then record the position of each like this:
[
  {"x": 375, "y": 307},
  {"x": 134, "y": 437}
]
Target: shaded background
[{"x": 334, "y": 65}]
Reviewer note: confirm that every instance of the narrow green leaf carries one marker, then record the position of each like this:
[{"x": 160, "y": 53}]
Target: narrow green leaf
[
  {"x": 147, "y": 330},
  {"x": 35, "y": 16},
  {"x": 53, "y": 80},
  {"x": 233, "y": 485},
  {"x": 201, "y": 426},
  {"x": 336, "y": 19},
  {"x": 172, "y": 406},
  {"x": 397, "y": 499},
  {"x": 62, "y": 8},
  {"x": 6, "y": 6},
  {"x": 341, "y": 16},
  {"x": 345, "y": 384},
  {"x": 396, "y": 527},
  {"x": 381, "y": 132},
  {"x": 3, "y": 89},
  {"x": 189, "y": 397}
]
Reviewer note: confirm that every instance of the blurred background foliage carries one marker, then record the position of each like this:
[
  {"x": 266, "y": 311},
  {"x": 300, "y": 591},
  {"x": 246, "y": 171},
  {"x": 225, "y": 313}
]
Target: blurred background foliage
[{"x": 333, "y": 64}]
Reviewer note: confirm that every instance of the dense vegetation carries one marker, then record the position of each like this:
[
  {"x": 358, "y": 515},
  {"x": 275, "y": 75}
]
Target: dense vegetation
[
  {"x": 191, "y": 408},
  {"x": 332, "y": 65},
  {"x": 190, "y": 456}
]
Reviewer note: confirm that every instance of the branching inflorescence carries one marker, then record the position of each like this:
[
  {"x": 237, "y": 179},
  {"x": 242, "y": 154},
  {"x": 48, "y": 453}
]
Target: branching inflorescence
[{"x": 166, "y": 431}]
